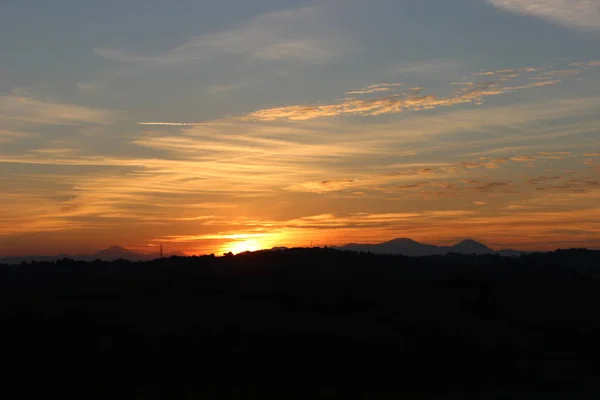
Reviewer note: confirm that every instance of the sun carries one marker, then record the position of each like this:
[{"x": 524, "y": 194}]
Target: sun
[{"x": 245, "y": 245}]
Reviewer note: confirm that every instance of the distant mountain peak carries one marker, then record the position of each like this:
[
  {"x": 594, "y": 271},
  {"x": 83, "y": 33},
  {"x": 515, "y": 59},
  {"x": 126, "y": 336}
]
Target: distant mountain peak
[
  {"x": 115, "y": 248},
  {"x": 410, "y": 247},
  {"x": 470, "y": 241},
  {"x": 470, "y": 246},
  {"x": 402, "y": 240}
]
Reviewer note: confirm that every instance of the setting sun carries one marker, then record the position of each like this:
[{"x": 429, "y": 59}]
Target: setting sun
[
  {"x": 284, "y": 125},
  {"x": 246, "y": 245}
]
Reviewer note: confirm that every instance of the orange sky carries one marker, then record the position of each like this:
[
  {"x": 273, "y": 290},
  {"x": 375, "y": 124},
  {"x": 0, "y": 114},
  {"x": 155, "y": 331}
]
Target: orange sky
[{"x": 305, "y": 123}]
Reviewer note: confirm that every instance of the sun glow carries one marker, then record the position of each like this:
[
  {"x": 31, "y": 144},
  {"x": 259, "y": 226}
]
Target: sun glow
[{"x": 245, "y": 245}]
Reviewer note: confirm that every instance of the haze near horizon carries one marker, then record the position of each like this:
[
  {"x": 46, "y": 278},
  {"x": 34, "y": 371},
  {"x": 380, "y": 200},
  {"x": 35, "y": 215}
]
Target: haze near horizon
[{"x": 230, "y": 126}]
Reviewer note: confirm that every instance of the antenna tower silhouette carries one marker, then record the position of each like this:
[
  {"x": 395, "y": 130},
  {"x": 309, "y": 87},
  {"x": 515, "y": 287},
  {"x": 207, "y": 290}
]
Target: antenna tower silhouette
[{"x": 161, "y": 251}]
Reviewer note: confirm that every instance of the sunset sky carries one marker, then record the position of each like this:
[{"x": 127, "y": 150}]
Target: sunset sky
[{"x": 210, "y": 126}]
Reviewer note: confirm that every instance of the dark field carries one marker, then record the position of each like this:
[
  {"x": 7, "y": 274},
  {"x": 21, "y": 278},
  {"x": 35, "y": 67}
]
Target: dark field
[{"x": 304, "y": 323}]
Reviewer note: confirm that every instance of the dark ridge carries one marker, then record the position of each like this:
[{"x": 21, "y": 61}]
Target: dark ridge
[
  {"x": 412, "y": 248},
  {"x": 304, "y": 323}
]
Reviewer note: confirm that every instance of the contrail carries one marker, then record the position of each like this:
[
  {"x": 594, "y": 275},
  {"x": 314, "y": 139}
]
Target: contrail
[{"x": 169, "y": 123}]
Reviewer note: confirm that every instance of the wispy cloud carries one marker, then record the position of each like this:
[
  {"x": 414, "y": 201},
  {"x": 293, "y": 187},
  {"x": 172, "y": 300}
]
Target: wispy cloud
[
  {"x": 17, "y": 110},
  {"x": 412, "y": 99},
  {"x": 381, "y": 87},
  {"x": 295, "y": 34},
  {"x": 586, "y": 64},
  {"x": 559, "y": 155},
  {"x": 489, "y": 187},
  {"x": 423, "y": 67},
  {"x": 170, "y": 123},
  {"x": 580, "y": 14},
  {"x": 578, "y": 185},
  {"x": 8, "y": 136}
]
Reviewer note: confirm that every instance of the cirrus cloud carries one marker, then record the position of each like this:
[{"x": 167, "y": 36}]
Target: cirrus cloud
[{"x": 579, "y": 14}]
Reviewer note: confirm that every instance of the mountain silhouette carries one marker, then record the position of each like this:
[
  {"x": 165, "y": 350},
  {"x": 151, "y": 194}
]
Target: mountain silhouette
[
  {"x": 109, "y": 254},
  {"x": 412, "y": 248},
  {"x": 117, "y": 252},
  {"x": 470, "y": 247}
]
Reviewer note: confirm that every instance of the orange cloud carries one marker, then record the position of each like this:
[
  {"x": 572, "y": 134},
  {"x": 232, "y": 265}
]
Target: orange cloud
[
  {"x": 541, "y": 179},
  {"x": 407, "y": 100}
]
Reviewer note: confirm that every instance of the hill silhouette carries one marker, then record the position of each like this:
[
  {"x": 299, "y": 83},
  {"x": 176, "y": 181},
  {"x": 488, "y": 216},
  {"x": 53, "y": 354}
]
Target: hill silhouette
[
  {"x": 304, "y": 323},
  {"x": 411, "y": 248},
  {"x": 109, "y": 254}
]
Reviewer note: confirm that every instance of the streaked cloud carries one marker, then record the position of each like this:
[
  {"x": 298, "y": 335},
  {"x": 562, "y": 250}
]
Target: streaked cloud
[
  {"x": 298, "y": 34},
  {"x": 381, "y": 87},
  {"x": 559, "y": 155},
  {"x": 586, "y": 64},
  {"x": 17, "y": 110},
  {"x": 489, "y": 187},
  {"x": 169, "y": 123},
  {"x": 424, "y": 67},
  {"x": 542, "y": 179},
  {"x": 412, "y": 99},
  {"x": 578, "y": 185},
  {"x": 7, "y": 136},
  {"x": 580, "y": 14}
]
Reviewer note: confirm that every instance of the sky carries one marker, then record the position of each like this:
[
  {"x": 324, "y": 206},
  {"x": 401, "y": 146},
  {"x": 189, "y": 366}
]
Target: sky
[{"x": 232, "y": 125}]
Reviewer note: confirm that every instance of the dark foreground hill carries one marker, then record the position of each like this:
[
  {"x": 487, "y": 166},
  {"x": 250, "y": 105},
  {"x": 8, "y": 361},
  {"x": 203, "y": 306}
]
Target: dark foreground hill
[
  {"x": 313, "y": 323},
  {"x": 109, "y": 254}
]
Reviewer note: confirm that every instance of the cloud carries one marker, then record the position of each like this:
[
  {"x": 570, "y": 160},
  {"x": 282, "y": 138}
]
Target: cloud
[
  {"x": 404, "y": 180},
  {"x": 219, "y": 89},
  {"x": 423, "y": 67},
  {"x": 451, "y": 213},
  {"x": 578, "y": 185},
  {"x": 381, "y": 87},
  {"x": 489, "y": 187},
  {"x": 554, "y": 153},
  {"x": 484, "y": 163},
  {"x": 398, "y": 101},
  {"x": 586, "y": 64},
  {"x": 579, "y": 14},
  {"x": 19, "y": 111},
  {"x": 118, "y": 55},
  {"x": 542, "y": 179},
  {"x": 170, "y": 123},
  {"x": 557, "y": 155},
  {"x": 22, "y": 116},
  {"x": 408, "y": 186},
  {"x": 329, "y": 185},
  {"x": 9, "y": 136},
  {"x": 518, "y": 207},
  {"x": 247, "y": 164},
  {"x": 524, "y": 158},
  {"x": 507, "y": 74},
  {"x": 300, "y": 34},
  {"x": 55, "y": 151},
  {"x": 561, "y": 73}
]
